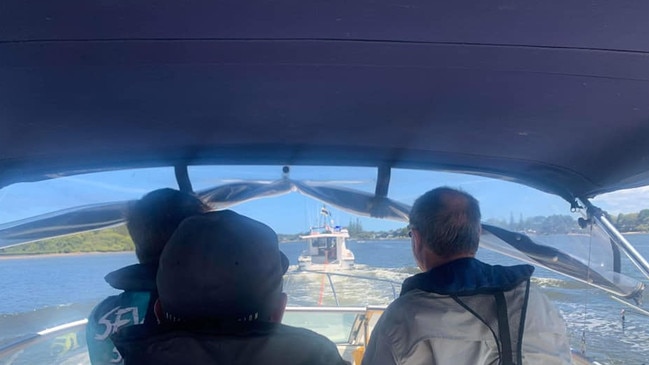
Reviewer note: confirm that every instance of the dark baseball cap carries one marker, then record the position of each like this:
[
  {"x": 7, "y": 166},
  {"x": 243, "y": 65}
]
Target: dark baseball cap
[{"x": 220, "y": 266}]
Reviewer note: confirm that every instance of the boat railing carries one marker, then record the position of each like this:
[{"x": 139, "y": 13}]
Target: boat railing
[
  {"x": 348, "y": 327},
  {"x": 65, "y": 344},
  {"x": 64, "y": 338}
]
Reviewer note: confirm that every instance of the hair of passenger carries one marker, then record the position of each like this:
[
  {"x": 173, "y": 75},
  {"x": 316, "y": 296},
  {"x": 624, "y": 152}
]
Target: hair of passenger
[
  {"x": 448, "y": 221},
  {"x": 153, "y": 219}
]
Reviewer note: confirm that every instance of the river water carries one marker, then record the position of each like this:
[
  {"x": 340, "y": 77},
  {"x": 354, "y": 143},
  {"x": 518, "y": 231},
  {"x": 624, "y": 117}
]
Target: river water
[{"x": 40, "y": 292}]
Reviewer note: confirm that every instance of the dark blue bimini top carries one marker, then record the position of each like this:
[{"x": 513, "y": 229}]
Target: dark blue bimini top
[{"x": 468, "y": 276}]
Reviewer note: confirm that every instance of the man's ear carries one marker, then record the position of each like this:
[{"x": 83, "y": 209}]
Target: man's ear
[
  {"x": 418, "y": 248},
  {"x": 278, "y": 313},
  {"x": 415, "y": 240}
]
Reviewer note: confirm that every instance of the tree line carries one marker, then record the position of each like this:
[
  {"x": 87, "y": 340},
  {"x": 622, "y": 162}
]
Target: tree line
[
  {"x": 117, "y": 238},
  {"x": 553, "y": 224},
  {"x": 562, "y": 224},
  {"x": 631, "y": 222},
  {"x": 108, "y": 240}
]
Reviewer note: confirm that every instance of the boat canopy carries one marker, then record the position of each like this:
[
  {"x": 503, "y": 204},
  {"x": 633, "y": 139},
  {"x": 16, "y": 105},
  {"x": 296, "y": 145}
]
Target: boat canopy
[{"x": 551, "y": 94}]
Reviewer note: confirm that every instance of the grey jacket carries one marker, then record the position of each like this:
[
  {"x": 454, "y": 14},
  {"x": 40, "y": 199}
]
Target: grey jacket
[
  {"x": 250, "y": 344},
  {"x": 450, "y": 315}
]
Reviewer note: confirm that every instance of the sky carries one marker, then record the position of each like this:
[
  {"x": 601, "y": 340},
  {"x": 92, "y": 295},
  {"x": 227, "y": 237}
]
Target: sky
[{"x": 294, "y": 212}]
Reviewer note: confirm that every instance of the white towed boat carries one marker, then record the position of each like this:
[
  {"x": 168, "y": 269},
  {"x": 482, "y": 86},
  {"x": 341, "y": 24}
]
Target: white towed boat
[{"x": 326, "y": 247}]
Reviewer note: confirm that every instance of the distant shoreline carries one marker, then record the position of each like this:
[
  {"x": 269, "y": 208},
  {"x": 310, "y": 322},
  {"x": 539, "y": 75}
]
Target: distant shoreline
[{"x": 48, "y": 255}]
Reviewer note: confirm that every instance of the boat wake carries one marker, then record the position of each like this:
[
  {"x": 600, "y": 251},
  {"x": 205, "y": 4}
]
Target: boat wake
[{"x": 593, "y": 320}]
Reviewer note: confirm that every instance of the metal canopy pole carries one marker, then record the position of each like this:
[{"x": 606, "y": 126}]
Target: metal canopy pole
[
  {"x": 597, "y": 214},
  {"x": 382, "y": 181},
  {"x": 182, "y": 178}
]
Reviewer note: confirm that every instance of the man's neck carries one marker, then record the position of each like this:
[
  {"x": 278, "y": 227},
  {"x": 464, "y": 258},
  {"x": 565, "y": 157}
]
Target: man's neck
[{"x": 432, "y": 260}]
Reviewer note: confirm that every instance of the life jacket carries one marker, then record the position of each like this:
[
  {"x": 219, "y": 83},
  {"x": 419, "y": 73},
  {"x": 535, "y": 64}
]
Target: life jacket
[
  {"x": 467, "y": 312},
  {"x": 133, "y": 306},
  {"x": 480, "y": 288}
]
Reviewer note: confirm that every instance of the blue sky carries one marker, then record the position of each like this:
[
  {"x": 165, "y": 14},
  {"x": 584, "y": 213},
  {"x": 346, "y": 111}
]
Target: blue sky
[{"x": 294, "y": 212}]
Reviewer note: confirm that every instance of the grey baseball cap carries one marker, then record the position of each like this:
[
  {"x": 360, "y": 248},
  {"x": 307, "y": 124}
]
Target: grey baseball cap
[{"x": 220, "y": 266}]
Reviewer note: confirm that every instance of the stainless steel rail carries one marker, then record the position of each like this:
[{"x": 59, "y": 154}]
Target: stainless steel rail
[
  {"x": 333, "y": 288},
  {"x": 635, "y": 257},
  {"x": 45, "y": 334},
  {"x": 35, "y": 338},
  {"x": 355, "y": 310}
]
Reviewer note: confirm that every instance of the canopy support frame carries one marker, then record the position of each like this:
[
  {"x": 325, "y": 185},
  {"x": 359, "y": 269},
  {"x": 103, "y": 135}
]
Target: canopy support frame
[
  {"x": 182, "y": 178},
  {"x": 598, "y": 215}
]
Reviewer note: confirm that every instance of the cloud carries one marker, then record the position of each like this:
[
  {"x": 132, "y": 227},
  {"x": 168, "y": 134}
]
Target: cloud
[
  {"x": 624, "y": 201},
  {"x": 114, "y": 187}
]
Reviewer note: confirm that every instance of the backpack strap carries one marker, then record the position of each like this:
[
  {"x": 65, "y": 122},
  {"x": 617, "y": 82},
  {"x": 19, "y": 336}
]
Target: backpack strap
[
  {"x": 504, "y": 332},
  {"x": 506, "y": 350}
]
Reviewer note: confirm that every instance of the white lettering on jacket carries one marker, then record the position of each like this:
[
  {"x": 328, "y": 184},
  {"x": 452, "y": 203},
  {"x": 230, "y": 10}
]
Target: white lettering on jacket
[{"x": 117, "y": 318}]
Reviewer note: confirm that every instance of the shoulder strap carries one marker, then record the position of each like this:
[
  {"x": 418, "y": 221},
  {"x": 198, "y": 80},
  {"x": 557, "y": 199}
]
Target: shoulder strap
[
  {"x": 504, "y": 332},
  {"x": 503, "y": 329},
  {"x": 521, "y": 328}
]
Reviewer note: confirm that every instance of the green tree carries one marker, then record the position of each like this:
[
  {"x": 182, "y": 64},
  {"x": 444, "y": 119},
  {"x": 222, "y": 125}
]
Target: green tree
[{"x": 355, "y": 228}]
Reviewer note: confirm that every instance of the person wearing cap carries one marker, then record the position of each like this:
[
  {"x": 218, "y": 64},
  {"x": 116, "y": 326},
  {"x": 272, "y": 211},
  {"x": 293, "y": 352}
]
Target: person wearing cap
[
  {"x": 221, "y": 301},
  {"x": 150, "y": 222}
]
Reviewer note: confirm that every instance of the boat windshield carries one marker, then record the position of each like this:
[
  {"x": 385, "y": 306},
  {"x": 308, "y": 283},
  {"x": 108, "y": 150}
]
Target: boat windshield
[{"x": 56, "y": 281}]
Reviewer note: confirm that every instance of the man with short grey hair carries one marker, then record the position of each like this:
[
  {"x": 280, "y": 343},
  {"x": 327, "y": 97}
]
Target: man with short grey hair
[{"x": 459, "y": 310}]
